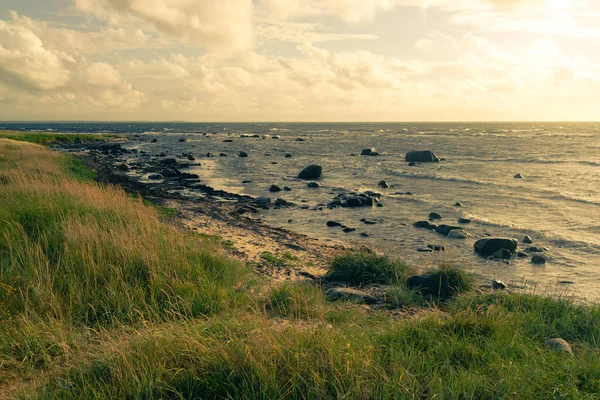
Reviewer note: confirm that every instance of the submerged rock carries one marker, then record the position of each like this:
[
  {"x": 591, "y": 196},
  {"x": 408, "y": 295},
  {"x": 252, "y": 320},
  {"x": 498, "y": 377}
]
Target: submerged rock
[
  {"x": 457, "y": 234},
  {"x": 155, "y": 177},
  {"x": 422, "y": 224},
  {"x": 312, "y": 185},
  {"x": 445, "y": 229},
  {"x": 518, "y": 176},
  {"x": 367, "y": 152},
  {"x": 274, "y": 189},
  {"x": 527, "y": 240},
  {"x": 421, "y": 156},
  {"x": 311, "y": 172},
  {"x": 462, "y": 220},
  {"x": 538, "y": 260},
  {"x": 243, "y": 154},
  {"x": 434, "y": 215},
  {"x": 502, "y": 254},
  {"x": 383, "y": 184},
  {"x": 182, "y": 140}
]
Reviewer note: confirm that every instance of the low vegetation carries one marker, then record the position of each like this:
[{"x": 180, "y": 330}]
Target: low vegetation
[
  {"x": 107, "y": 301},
  {"x": 52, "y": 138}
]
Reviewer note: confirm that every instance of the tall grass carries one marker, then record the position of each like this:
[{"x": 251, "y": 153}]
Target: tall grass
[{"x": 362, "y": 268}]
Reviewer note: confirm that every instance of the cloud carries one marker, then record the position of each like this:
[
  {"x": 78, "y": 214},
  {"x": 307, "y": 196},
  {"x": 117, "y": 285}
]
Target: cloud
[
  {"x": 348, "y": 10},
  {"x": 215, "y": 25},
  {"x": 25, "y": 61},
  {"x": 102, "y": 74}
]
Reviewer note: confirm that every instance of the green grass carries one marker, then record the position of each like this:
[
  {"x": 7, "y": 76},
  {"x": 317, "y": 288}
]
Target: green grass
[
  {"x": 100, "y": 299},
  {"x": 52, "y": 138},
  {"x": 278, "y": 260},
  {"x": 362, "y": 268}
]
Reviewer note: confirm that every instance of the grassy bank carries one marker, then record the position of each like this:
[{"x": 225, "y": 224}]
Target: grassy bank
[
  {"x": 100, "y": 299},
  {"x": 52, "y": 138}
]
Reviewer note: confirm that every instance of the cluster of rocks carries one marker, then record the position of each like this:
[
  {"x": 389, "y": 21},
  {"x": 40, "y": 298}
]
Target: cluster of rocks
[
  {"x": 355, "y": 200},
  {"x": 369, "y": 152},
  {"x": 498, "y": 248},
  {"x": 450, "y": 231}
]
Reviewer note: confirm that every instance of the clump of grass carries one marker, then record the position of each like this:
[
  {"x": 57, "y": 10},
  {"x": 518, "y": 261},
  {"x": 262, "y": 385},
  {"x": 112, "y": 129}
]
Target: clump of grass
[
  {"x": 362, "y": 268},
  {"x": 295, "y": 302},
  {"x": 448, "y": 281}
]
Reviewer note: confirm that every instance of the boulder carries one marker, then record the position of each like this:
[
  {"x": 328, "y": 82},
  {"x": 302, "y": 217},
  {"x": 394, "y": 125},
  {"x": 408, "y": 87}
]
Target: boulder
[
  {"x": 243, "y": 154},
  {"x": 422, "y": 224},
  {"x": 169, "y": 161},
  {"x": 538, "y": 260},
  {"x": 518, "y": 176},
  {"x": 458, "y": 204},
  {"x": 281, "y": 202},
  {"x": 434, "y": 215},
  {"x": 421, "y": 156},
  {"x": 332, "y": 224},
  {"x": 312, "y": 185},
  {"x": 445, "y": 229},
  {"x": 155, "y": 177},
  {"x": 367, "y": 152},
  {"x": 559, "y": 344},
  {"x": 311, "y": 172},
  {"x": 227, "y": 141},
  {"x": 383, "y": 184},
  {"x": 274, "y": 189},
  {"x": 489, "y": 245},
  {"x": 359, "y": 296},
  {"x": 457, "y": 234},
  {"x": 348, "y": 229},
  {"x": 462, "y": 220},
  {"x": 527, "y": 240},
  {"x": 262, "y": 201},
  {"x": 182, "y": 140},
  {"x": 288, "y": 156},
  {"x": 124, "y": 167},
  {"x": 153, "y": 141},
  {"x": 191, "y": 157}
]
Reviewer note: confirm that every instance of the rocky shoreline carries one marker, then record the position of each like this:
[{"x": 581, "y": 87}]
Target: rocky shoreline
[{"x": 237, "y": 217}]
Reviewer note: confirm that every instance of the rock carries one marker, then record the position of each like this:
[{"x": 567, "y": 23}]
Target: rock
[
  {"x": 332, "y": 224},
  {"x": 498, "y": 285},
  {"x": 348, "y": 229},
  {"x": 434, "y": 215},
  {"x": 209, "y": 155},
  {"x": 299, "y": 140},
  {"x": 436, "y": 247},
  {"x": 559, "y": 344},
  {"x": 311, "y": 172},
  {"x": 520, "y": 254},
  {"x": 458, "y": 204},
  {"x": 246, "y": 181},
  {"x": 425, "y": 250},
  {"x": 379, "y": 204},
  {"x": 502, "y": 254},
  {"x": 222, "y": 155},
  {"x": 155, "y": 177},
  {"x": 169, "y": 161},
  {"x": 538, "y": 260},
  {"x": 281, "y": 202},
  {"x": 518, "y": 176},
  {"x": 462, "y": 220},
  {"x": 367, "y": 152},
  {"x": 153, "y": 141},
  {"x": 369, "y": 222},
  {"x": 422, "y": 224},
  {"x": 488, "y": 246},
  {"x": 227, "y": 141},
  {"x": 262, "y": 201},
  {"x": 457, "y": 234},
  {"x": 288, "y": 156},
  {"x": 383, "y": 184},
  {"x": 527, "y": 240},
  {"x": 243, "y": 154},
  {"x": 374, "y": 154},
  {"x": 336, "y": 294},
  {"x": 312, "y": 185},
  {"x": 412, "y": 164},
  {"x": 124, "y": 167},
  {"x": 421, "y": 156},
  {"x": 445, "y": 229},
  {"x": 354, "y": 202},
  {"x": 534, "y": 249},
  {"x": 191, "y": 157},
  {"x": 182, "y": 140},
  {"x": 364, "y": 234},
  {"x": 274, "y": 189}
]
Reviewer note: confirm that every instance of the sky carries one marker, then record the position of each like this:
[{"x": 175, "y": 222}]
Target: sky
[{"x": 300, "y": 60}]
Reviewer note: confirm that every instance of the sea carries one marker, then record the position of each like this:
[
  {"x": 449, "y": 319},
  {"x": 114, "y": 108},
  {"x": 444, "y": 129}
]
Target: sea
[{"x": 556, "y": 202}]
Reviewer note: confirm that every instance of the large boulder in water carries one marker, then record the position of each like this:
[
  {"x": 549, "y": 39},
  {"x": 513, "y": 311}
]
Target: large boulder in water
[
  {"x": 488, "y": 246},
  {"x": 421, "y": 156},
  {"x": 311, "y": 172}
]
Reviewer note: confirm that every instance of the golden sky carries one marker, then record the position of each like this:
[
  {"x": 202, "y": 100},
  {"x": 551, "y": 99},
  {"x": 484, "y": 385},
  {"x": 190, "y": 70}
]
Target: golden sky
[{"x": 300, "y": 60}]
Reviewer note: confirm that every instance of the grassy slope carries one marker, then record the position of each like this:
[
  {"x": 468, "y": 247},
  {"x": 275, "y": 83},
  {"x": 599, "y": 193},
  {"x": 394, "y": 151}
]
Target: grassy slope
[
  {"x": 111, "y": 303},
  {"x": 51, "y": 138}
]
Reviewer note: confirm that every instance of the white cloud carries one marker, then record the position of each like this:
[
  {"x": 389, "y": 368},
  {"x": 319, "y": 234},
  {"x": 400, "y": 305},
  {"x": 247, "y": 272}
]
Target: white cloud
[
  {"x": 102, "y": 74},
  {"x": 212, "y": 24},
  {"x": 25, "y": 61},
  {"x": 349, "y": 10}
]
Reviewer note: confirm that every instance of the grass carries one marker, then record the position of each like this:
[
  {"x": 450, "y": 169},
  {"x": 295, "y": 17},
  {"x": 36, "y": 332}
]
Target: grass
[
  {"x": 278, "y": 260},
  {"x": 100, "y": 299},
  {"x": 363, "y": 268},
  {"x": 52, "y": 138}
]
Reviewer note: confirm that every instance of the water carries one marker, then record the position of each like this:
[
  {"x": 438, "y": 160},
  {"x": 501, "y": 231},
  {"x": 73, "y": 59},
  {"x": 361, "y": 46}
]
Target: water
[{"x": 557, "y": 204}]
